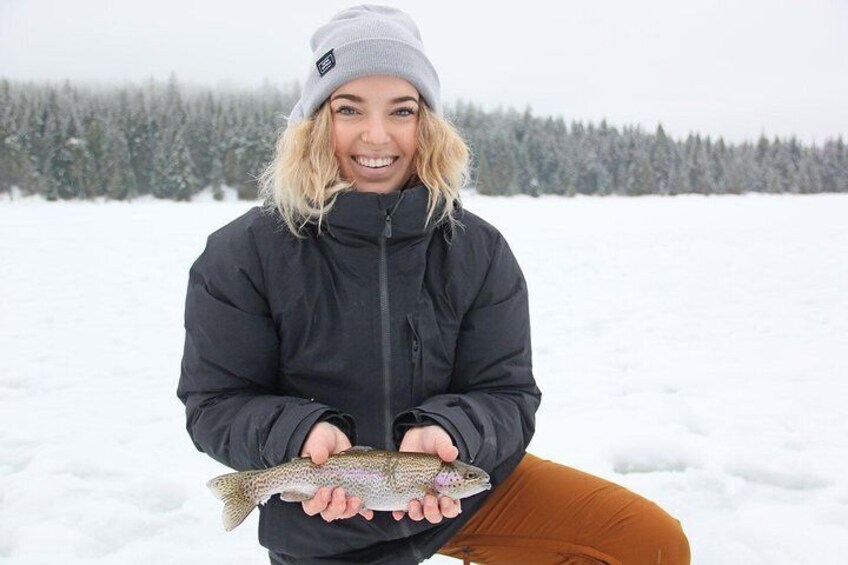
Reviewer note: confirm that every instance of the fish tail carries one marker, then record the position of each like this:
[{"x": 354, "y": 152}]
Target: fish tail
[{"x": 230, "y": 489}]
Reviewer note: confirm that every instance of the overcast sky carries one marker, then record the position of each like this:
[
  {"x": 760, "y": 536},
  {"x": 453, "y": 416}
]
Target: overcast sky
[{"x": 722, "y": 68}]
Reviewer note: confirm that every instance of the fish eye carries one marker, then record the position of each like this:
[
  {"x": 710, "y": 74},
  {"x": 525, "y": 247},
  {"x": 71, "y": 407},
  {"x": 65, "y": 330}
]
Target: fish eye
[{"x": 470, "y": 476}]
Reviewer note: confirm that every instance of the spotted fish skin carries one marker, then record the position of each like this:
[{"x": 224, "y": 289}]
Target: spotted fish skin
[{"x": 382, "y": 480}]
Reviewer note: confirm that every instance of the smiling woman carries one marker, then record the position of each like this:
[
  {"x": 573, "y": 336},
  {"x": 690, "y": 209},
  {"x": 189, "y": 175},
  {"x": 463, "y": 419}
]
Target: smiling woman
[
  {"x": 345, "y": 145},
  {"x": 375, "y": 131},
  {"x": 402, "y": 324}
]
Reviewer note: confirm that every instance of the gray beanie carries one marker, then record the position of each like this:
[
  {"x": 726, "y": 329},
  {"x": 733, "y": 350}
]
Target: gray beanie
[{"x": 366, "y": 40}]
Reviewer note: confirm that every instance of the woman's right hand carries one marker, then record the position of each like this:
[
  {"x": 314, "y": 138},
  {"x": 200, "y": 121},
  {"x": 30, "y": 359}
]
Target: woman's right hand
[{"x": 325, "y": 439}]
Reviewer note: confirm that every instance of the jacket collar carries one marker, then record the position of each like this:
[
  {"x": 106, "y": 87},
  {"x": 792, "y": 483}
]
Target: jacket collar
[{"x": 362, "y": 215}]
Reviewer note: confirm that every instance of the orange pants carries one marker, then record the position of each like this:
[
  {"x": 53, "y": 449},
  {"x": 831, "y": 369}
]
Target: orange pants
[{"x": 546, "y": 513}]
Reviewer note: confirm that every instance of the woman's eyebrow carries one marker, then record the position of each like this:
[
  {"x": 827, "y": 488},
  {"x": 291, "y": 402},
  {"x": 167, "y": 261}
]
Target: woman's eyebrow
[
  {"x": 404, "y": 99},
  {"x": 354, "y": 98}
]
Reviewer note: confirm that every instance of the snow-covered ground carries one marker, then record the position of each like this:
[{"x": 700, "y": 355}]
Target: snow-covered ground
[{"x": 694, "y": 349}]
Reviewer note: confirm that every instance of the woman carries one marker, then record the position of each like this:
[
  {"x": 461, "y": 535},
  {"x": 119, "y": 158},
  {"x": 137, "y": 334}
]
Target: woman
[{"x": 361, "y": 304}]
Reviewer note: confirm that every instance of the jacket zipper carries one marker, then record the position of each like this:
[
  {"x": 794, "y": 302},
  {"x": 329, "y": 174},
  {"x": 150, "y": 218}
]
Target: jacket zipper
[
  {"x": 387, "y": 338},
  {"x": 386, "y": 322},
  {"x": 387, "y": 352}
]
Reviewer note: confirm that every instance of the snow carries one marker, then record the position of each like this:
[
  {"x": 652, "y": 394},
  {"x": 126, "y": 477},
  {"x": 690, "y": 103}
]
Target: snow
[{"x": 689, "y": 348}]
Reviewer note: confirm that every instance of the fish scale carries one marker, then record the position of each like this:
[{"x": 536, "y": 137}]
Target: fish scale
[{"x": 382, "y": 480}]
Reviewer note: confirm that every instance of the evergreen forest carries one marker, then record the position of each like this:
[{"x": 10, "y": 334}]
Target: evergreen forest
[{"x": 66, "y": 141}]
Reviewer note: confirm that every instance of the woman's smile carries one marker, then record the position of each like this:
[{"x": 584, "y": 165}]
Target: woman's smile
[{"x": 374, "y": 162}]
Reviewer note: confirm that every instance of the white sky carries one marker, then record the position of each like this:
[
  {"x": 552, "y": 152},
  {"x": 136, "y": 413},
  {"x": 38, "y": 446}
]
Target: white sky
[{"x": 721, "y": 68}]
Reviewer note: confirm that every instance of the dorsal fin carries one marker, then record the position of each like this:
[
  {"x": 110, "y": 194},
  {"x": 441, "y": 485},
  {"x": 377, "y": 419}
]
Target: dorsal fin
[{"x": 356, "y": 449}]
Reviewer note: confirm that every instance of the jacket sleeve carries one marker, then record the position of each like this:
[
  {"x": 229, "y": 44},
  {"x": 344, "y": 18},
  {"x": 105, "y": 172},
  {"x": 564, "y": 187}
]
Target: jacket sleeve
[
  {"x": 230, "y": 364},
  {"x": 490, "y": 408}
]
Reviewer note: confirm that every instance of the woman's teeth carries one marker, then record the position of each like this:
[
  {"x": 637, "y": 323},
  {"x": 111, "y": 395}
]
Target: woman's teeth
[{"x": 375, "y": 163}]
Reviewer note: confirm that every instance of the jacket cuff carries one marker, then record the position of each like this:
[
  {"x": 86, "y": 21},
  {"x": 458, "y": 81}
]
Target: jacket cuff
[
  {"x": 462, "y": 431},
  {"x": 410, "y": 419},
  {"x": 342, "y": 421},
  {"x": 286, "y": 439}
]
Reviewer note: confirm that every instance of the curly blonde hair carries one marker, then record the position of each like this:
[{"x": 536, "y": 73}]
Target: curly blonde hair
[{"x": 303, "y": 179}]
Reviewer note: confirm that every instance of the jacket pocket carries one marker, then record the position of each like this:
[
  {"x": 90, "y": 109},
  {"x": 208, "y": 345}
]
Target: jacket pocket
[
  {"x": 416, "y": 362},
  {"x": 431, "y": 367}
]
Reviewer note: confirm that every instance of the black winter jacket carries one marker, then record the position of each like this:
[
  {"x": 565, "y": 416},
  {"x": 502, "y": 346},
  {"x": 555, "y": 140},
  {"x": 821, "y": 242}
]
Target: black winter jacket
[{"x": 376, "y": 324}]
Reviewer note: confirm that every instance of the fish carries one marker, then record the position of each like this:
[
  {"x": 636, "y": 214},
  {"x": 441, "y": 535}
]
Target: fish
[{"x": 383, "y": 480}]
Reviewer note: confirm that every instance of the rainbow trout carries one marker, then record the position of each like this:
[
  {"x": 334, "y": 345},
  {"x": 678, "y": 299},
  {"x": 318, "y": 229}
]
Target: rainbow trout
[{"x": 383, "y": 480}]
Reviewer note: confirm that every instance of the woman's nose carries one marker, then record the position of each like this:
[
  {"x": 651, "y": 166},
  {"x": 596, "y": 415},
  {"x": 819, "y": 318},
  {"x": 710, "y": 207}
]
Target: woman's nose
[{"x": 375, "y": 131}]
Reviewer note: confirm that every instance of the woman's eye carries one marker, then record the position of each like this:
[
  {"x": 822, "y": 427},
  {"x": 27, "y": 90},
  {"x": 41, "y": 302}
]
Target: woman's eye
[
  {"x": 345, "y": 110},
  {"x": 350, "y": 111},
  {"x": 406, "y": 111}
]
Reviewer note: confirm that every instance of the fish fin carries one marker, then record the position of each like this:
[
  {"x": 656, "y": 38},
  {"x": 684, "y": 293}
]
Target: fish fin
[
  {"x": 356, "y": 449},
  {"x": 230, "y": 489},
  {"x": 295, "y": 495}
]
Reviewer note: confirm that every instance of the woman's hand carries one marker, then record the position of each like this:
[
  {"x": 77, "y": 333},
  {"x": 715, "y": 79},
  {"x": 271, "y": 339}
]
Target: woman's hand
[
  {"x": 325, "y": 439},
  {"x": 436, "y": 441}
]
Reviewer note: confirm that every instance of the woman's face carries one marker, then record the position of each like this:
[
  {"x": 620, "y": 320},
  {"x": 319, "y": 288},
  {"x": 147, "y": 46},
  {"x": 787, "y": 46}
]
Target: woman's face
[{"x": 375, "y": 131}]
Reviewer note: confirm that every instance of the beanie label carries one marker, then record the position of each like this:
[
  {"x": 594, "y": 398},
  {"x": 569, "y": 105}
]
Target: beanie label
[{"x": 326, "y": 62}]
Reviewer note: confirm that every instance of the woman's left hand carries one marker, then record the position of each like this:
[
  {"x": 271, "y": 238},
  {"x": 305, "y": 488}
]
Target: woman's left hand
[{"x": 436, "y": 441}]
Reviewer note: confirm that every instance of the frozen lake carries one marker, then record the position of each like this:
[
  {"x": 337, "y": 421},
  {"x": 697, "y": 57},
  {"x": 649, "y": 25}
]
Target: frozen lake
[{"x": 693, "y": 349}]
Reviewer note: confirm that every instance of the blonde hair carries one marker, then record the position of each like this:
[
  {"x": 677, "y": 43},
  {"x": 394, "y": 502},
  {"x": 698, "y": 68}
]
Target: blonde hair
[{"x": 303, "y": 179}]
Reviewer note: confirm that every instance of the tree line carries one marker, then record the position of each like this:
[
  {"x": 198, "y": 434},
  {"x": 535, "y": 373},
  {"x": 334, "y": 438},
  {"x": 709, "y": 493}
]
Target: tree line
[{"x": 74, "y": 142}]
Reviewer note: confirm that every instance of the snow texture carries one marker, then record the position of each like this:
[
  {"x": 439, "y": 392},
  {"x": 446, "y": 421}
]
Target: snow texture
[{"x": 692, "y": 349}]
